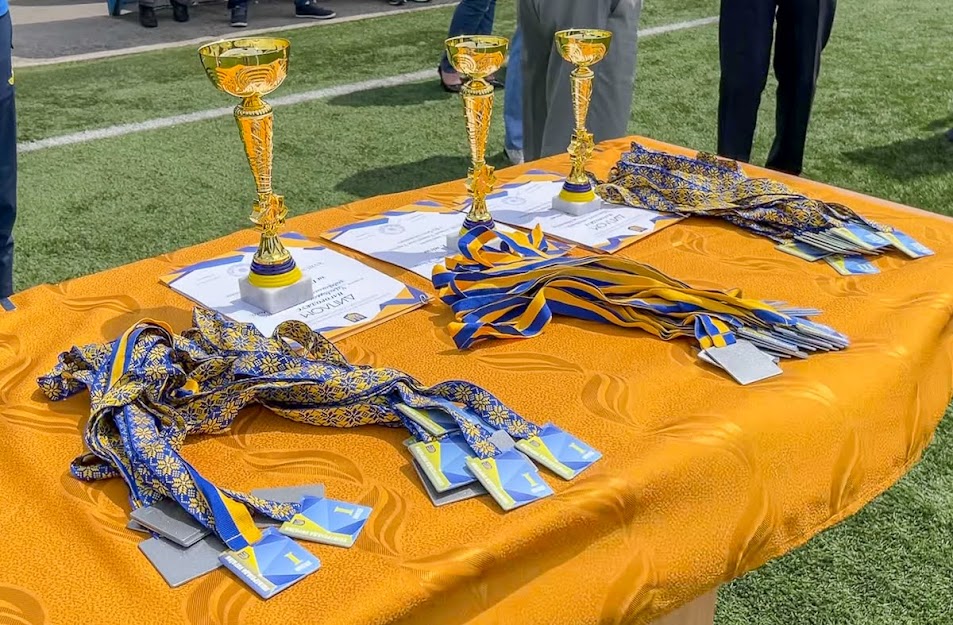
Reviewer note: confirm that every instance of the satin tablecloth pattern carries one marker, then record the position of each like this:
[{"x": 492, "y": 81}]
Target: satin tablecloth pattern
[{"x": 702, "y": 479}]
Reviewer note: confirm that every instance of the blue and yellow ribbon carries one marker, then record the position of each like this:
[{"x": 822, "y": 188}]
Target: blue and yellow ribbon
[
  {"x": 709, "y": 186},
  {"x": 510, "y": 286},
  {"x": 151, "y": 389}
]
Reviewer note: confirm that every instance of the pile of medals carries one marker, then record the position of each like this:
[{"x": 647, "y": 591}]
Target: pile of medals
[
  {"x": 709, "y": 186},
  {"x": 510, "y": 286},
  {"x": 151, "y": 389}
]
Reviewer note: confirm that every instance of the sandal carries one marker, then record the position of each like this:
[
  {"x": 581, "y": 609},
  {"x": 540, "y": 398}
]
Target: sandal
[
  {"x": 495, "y": 82},
  {"x": 449, "y": 87}
]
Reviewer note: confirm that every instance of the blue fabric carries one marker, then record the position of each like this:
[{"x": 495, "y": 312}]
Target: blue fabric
[
  {"x": 4, "y": 7},
  {"x": 8, "y": 153},
  {"x": 513, "y": 102},
  {"x": 472, "y": 17}
]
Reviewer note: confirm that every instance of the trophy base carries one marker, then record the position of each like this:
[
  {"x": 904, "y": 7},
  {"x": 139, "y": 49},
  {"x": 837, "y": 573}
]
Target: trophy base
[
  {"x": 453, "y": 240},
  {"x": 576, "y": 209},
  {"x": 276, "y": 299},
  {"x": 453, "y": 244}
]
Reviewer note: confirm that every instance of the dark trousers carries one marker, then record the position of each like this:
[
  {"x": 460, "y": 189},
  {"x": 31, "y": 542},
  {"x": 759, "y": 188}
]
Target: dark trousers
[
  {"x": 8, "y": 157},
  {"x": 231, "y": 4},
  {"x": 471, "y": 17},
  {"x": 548, "y": 119},
  {"x": 745, "y": 33}
]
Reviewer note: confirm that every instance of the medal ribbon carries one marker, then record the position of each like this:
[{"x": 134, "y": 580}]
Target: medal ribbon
[
  {"x": 151, "y": 389},
  {"x": 513, "y": 290},
  {"x": 709, "y": 186}
]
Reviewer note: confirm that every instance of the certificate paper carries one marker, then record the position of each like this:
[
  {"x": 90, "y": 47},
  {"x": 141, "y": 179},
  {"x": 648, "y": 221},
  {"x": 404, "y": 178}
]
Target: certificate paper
[
  {"x": 413, "y": 237},
  {"x": 349, "y": 296},
  {"x": 527, "y": 201}
]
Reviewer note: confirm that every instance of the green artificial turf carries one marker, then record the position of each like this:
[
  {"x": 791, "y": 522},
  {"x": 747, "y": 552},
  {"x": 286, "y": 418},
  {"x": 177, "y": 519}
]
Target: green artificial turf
[
  {"x": 883, "y": 104},
  {"x": 889, "y": 564},
  {"x": 71, "y": 97}
]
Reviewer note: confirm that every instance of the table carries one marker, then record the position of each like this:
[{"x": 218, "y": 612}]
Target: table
[{"x": 701, "y": 481}]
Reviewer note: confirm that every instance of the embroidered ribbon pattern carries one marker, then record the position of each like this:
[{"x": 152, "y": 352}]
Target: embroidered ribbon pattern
[
  {"x": 709, "y": 186},
  {"x": 151, "y": 389}
]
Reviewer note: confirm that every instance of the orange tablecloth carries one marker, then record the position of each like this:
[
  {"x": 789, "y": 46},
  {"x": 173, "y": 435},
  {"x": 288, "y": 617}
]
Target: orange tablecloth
[{"x": 701, "y": 481}]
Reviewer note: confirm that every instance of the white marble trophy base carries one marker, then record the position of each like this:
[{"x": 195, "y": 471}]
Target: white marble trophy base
[
  {"x": 576, "y": 208},
  {"x": 453, "y": 243},
  {"x": 276, "y": 299}
]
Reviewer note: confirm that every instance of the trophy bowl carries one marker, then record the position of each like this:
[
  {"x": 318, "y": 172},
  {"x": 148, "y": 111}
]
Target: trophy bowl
[
  {"x": 477, "y": 56},
  {"x": 249, "y": 67},
  {"x": 583, "y": 46}
]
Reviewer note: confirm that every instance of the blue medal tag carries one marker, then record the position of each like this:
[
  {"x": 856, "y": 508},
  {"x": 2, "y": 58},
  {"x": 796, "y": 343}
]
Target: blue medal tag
[
  {"x": 862, "y": 236},
  {"x": 560, "y": 452},
  {"x": 511, "y": 479},
  {"x": 327, "y": 521},
  {"x": 436, "y": 422},
  {"x": 803, "y": 250},
  {"x": 444, "y": 461},
  {"x": 271, "y": 564},
  {"x": 907, "y": 244},
  {"x": 851, "y": 265}
]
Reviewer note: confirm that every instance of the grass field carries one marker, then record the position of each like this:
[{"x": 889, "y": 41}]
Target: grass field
[{"x": 883, "y": 104}]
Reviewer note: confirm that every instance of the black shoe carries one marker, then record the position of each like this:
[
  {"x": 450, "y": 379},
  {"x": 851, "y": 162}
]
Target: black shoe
[
  {"x": 180, "y": 11},
  {"x": 239, "y": 17},
  {"x": 495, "y": 82},
  {"x": 147, "y": 17},
  {"x": 396, "y": 3},
  {"x": 310, "y": 10}
]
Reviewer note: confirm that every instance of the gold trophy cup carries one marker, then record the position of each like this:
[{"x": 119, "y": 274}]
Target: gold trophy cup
[
  {"x": 250, "y": 69},
  {"x": 583, "y": 47},
  {"x": 476, "y": 57}
]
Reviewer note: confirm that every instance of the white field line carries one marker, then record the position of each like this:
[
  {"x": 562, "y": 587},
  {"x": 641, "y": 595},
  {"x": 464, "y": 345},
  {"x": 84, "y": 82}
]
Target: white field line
[
  {"x": 120, "y": 130},
  {"x": 19, "y": 62}
]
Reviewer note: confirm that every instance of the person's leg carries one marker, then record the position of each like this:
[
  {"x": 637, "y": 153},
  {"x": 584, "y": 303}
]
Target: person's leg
[
  {"x": 744, "y": 41},
  {"x": 486, "y": 23},
  {"x": 8, "y": 157},
  {"x": 238, "y": 13},
  {"x": 467, "y": 19},
  {"x": 538, "y": 54},
  {"x": 147, "y": 13},
  {"x": 804, "y": 27},
  {"x": 614, "y": 85},
  {"x": 180, "y": 10},
  {"x": 513, "y": 100}
]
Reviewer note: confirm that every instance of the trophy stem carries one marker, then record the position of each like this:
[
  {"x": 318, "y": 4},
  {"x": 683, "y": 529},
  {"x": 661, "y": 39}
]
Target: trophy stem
[
  {"x": 255, "y": 119},
  {"x": 478, "y": 104},
  {"x": 582, "y": 145},
  {"x": 272, "y": 265}
]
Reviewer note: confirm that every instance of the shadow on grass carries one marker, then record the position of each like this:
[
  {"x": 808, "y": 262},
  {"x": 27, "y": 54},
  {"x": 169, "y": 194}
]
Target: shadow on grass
[
  {"x": 909, "y": 159},
  {"x": 409, "y": 94},
  {"x": 406, "y": 176},
  {"x": 944, "y": 123}
]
